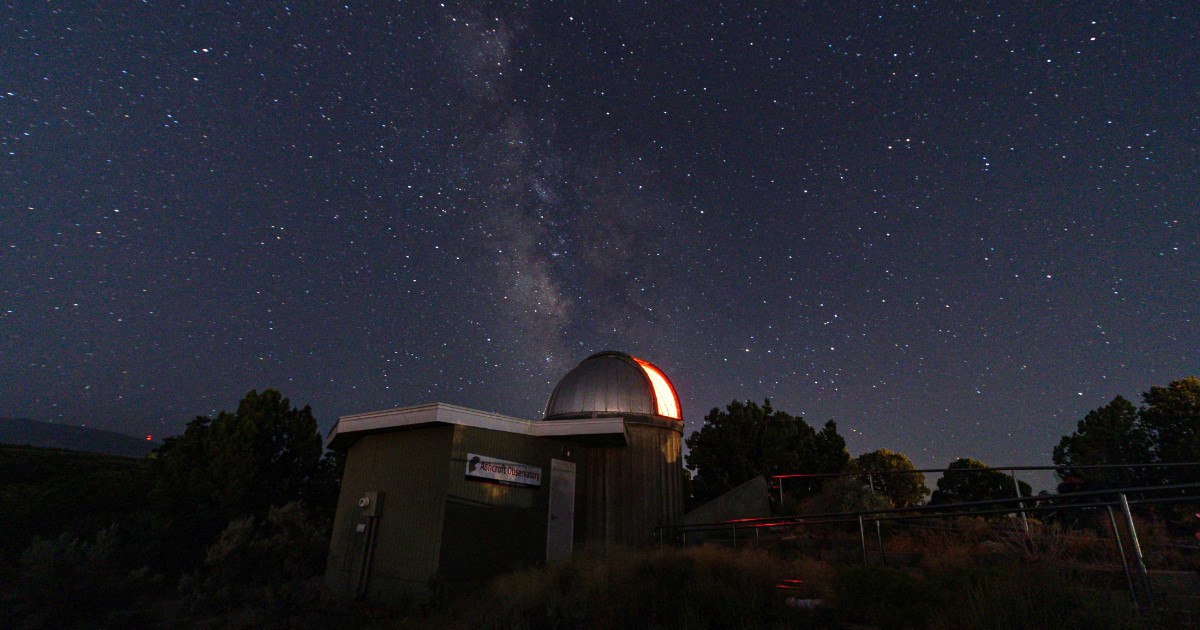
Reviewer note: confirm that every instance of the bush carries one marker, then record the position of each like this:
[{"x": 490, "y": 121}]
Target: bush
[
  {"x": 262, "y": 572},
  {"x": 1029, "y": 595},
  {"x": 70, "y": 582},
  {"x": 36, "y": 484},
  {"x": 846, "y": 494},
  {"x": 882, "y": 596},
  {"x": 697, "y": 588},
  {"x": 1015, "y": 595}
]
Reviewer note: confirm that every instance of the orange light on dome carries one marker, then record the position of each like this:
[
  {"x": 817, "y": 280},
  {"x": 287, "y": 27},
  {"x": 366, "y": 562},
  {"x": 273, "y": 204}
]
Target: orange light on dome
[{"x": 664, "y": 393}]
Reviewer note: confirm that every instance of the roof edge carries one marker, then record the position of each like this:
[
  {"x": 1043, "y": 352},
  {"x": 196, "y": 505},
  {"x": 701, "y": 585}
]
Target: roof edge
[{"x": 349, "y": 428}]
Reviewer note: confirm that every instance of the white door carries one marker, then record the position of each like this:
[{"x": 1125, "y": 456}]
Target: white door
[{"x": 560, "y": 526}]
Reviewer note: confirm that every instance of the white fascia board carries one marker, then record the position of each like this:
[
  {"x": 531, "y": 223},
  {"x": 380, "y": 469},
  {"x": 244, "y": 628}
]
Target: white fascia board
[
  {"x": 453, "y": 414},
  {"x": 442, "y": 413},
  {"x": 594, "y": 426},
  {"x": 387, "y": 418},
  {"x": 424, "y": 415}
]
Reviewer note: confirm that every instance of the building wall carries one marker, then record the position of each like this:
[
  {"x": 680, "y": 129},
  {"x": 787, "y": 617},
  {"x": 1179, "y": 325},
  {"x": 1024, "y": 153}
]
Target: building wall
[
  {"x": 629, "y": 490},
  {"x": 491, "y": 528},
  {"x": 409, "y": 469},
  {"x": 433, "y": 520}
]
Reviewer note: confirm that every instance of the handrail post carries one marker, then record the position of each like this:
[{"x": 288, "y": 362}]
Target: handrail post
[
  {"x": 1121, "y": 550},
  {"x": 1137, "y": 550},
  {"x": 862, "y": 538},
  {"x": 879, "y": 538},
  {"x": 878, "y": 529},
  {"x": 1021, "y": 504}
]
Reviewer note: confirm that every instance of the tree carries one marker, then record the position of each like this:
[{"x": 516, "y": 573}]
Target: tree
[
  {"x": 238, "y": 464},
  {"x": 846, "y": 494},
  {"x": 1112, "y": 434},
  {"x": 271, "y": 567},
  {"x": 1166, "y": 429},
  {"x": 72, "y": 582},
  {"x": 900, "y": 488},
  {"x": 1172, "y": 417},
  {"x": 829, "y": 451},
  {"x": 972, "y": 480},
  {"x": 746, "y": 440}
]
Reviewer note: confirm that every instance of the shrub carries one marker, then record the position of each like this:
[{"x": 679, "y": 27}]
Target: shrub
[
  {"x": 1028, "y": 595},
  {"x": 704, "y": 587},
  {"x": 260, "y": 572},
  {"x": 882, "y": 596},
  {"x": 846, "y": 494},
  {"x": 71, "y": 582}
]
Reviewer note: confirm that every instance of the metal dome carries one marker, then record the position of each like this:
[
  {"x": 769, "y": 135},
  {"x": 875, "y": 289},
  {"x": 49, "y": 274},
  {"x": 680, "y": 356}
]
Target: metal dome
[{"x": 609, "y": 383}]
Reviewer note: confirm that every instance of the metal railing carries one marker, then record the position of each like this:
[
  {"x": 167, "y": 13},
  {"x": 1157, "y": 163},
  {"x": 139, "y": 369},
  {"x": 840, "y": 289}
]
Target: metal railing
[
  {"x": 1106, "y": 499},
  {"x": 1012, "y": 471}
]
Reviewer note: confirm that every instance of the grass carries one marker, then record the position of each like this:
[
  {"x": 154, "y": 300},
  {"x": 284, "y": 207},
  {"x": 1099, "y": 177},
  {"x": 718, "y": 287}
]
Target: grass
[
  {"x": 47, "y": 491},
  {"x": 705, "y": 587},
  {"x": 714, "y": 587}
]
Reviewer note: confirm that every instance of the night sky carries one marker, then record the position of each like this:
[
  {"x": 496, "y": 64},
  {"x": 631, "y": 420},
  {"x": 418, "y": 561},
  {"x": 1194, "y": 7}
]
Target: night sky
[{"x": 954, "y": 230}]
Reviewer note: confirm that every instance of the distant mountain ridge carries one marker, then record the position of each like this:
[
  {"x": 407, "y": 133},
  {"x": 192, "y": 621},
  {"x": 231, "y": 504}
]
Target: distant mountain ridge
[{"x": 26, "y": 432}]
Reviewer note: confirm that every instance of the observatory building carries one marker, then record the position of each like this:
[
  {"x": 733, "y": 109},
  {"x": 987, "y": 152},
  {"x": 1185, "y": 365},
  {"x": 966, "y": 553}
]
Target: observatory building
[{"x": 443, "y": 490}]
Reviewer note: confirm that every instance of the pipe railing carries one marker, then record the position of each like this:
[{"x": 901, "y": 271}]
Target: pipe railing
[
  {"x": 1093, "y": 499},
  {"x": 1012, "y": 471},
  {"x": 945, "y": 510}
]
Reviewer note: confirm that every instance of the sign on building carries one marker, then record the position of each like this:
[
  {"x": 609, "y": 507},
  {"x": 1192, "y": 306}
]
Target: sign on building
[{"x": 505, "y": 472}]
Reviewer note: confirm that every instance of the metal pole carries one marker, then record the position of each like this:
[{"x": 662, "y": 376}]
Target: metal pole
[
  {"x": 878, "y": 530},
  {"x": 781, "y": 495},
  {"x": 1017, "y": 489},
  {"x": 1137, "y": 550},
  {"x": 756, "y": 538},
  {"x": 862, "y": 537},
  {"x": 1112, "y": 520},
  {"x": 879, "y": 538}
]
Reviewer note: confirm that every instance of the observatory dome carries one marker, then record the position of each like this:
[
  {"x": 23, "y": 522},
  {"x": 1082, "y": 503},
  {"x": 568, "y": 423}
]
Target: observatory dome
[{"x": 609, "y": 383}]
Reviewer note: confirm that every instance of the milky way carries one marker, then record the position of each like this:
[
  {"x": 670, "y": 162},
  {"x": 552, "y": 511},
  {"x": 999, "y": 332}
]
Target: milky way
[{"x": 953, "y": 230}]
